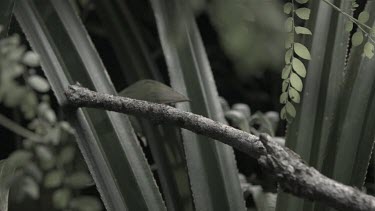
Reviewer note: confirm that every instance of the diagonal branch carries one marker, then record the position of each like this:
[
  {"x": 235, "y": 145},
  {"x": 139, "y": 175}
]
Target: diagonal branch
[
  {"x": 293, "y": 175},
  {"x": 18, "y": 129}
]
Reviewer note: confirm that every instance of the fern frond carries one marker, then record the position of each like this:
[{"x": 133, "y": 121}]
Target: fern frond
[{"x": 294, "y": 70}]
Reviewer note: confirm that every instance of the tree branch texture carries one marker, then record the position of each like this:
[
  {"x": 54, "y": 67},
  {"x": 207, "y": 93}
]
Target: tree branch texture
[{"x": 293, "y": 175}]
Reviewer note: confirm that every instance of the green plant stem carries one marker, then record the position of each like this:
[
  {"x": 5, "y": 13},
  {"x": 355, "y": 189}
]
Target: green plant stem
[
  {"x": 292, "y": 46},
  {"x": 293, "y": 25},
  {"x": 17, "y": 129},
  {"x": 359, "y": 24}
]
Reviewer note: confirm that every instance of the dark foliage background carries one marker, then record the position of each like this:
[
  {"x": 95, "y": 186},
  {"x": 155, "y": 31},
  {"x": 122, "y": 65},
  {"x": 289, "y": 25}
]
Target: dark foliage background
[{"x": 258, "y": 86}]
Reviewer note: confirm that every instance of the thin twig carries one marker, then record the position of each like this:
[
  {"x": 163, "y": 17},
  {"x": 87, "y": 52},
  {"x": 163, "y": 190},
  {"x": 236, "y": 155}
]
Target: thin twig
[
  {"x": 356, "y": 21},
  {"x": 18, "y": 129},
  {"x": 293, "y": 175}
]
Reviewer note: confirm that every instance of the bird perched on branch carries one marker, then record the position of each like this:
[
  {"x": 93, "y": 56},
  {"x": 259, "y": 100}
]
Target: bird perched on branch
[{"x": 153, "y": 91}]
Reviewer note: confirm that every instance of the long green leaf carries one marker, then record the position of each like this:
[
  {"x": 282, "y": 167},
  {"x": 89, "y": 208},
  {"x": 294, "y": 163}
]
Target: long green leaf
[
  {"x": 6, "y": 12},
  {"x": 167, "y": 150},
  {"x": 253, "y": 45},
  {"x": 331, "y": 87},
  {"x": 331, "y": 92},
  {"x": 345, "y": 135},
  {"x": 309, "y": 134},
  {"x": 355, "y": 133},
  {"x": 211, "y": 165},
  {"x": 136, "y": 62},
  {"x": 106, "y": 139},
  {"x": 131, "y": 51},
  {"x": 6, "y": 170}
]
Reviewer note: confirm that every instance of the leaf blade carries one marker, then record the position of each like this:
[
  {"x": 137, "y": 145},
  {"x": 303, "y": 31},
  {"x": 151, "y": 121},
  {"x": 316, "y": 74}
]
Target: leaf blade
[
  {"x": 94, "y": 128},
  {"x": 185, "y": 56},
  {"x": 6, "y": 170},
  {"x": 6, "y": 11},
  {"x": 165, "y": 141},
  {"x": 302, "y": 51},
  {"x": 303, "y": 13}
]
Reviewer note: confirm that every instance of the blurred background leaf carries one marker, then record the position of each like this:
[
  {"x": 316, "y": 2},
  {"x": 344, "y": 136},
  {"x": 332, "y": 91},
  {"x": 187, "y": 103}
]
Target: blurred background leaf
[
  {"x": 106, "y": 139},
  {"x": 251, "y": 33},
  {"x": 195, "y": 47}
]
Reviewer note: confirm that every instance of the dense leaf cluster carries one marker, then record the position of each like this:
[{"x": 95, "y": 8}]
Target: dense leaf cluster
[{"x": 47, "y": 159}]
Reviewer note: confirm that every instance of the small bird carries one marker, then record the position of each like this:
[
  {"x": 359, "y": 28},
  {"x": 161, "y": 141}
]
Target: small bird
[{"x": 153, "y": 91}]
